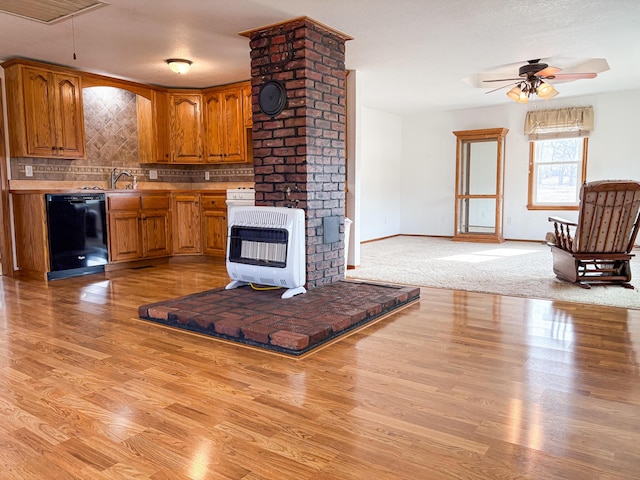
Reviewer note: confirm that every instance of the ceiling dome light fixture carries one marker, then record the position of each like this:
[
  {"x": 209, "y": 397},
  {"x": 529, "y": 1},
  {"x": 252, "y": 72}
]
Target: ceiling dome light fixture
[{"x": 179, "y": 65}]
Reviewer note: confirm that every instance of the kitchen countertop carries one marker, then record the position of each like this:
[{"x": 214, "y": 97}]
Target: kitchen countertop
[{"x": 37, "y": 186}]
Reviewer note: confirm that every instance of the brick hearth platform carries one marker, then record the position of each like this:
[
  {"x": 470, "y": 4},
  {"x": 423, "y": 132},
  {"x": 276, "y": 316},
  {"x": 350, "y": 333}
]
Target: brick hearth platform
[{"x": 294, "y": 326}]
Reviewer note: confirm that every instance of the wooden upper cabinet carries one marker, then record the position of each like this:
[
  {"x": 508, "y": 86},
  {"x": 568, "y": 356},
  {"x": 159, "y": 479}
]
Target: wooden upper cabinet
[
  {"x": 247, "y": 106},
  {"x": 213, "y": 128},
  {"x": 153, "y": 133},
  {"x": 69, "y": 116},
  {"x": 46, "y": 111},
  {"x": 233, "y": 126},
  {"x": 185, "y": 128},
  {"x": 160, "y": 109},
  {"x": 224, "y": 125},
  {"x": 46, "y": 118}
]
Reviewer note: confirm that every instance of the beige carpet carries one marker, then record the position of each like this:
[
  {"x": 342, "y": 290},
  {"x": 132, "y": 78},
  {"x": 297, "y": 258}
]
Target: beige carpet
[{"x": 522, "y": 269}]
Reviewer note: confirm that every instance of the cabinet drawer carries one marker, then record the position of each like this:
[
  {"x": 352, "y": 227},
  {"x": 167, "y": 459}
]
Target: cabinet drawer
[
  {"x": 214, "y": 201},
  {"x": 123, "y": 202},
  {"x": 155, "y": 202}
]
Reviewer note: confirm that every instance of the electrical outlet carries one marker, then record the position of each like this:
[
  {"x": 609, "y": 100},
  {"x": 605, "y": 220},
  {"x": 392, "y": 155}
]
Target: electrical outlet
[
  {"x": 153, "y": 174},
  {"x": 28, "y": 170},
  {"x": 206, "y": 175}
]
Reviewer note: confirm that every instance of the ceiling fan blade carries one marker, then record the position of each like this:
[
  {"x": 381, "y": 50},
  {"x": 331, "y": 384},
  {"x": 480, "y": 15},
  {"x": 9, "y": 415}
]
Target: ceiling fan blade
[
  {"x": 504, "y": 86},
  {"x": 548, "y": 72},
  {"x": 573, "y": 76},
  {"x": 502, "y": 80}
]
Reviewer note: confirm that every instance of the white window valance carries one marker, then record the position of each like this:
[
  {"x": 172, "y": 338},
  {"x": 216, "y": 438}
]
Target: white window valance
[{"x": 559, "y": 123}]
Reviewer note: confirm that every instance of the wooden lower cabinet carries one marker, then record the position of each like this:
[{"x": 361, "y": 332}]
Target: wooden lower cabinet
[
  {"x": 156, "y": 225},
  {"x": 214, "y": 224},
  {"x": 32, "y": 247},
  {"x": 125, "y": 241},
  {"x": 187, "y": 238},
  {"x": 214, "y": 233},
  {"x": 199, "y": 223},
  {"x": 139, "y": 226},
  {"x": 143, "y": 225}
]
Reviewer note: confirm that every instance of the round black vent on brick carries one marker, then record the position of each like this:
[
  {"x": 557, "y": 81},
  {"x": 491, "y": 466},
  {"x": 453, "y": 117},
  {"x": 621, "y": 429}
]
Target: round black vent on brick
[{"x": 272, "y": 98}]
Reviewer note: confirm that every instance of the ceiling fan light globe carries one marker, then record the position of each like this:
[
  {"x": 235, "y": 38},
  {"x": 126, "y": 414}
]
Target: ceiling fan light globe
[
  {"x": 524, "y": 95},
  {"x": 545, "y": 89},
  {"x": 515, "y": 93}
]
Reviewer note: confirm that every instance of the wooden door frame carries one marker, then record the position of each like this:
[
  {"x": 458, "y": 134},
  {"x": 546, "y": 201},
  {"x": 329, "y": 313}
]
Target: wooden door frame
[{"x": 6, "y": 244}]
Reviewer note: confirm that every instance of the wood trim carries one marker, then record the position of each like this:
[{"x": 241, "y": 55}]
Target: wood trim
[
  {"x": 322, "y": 26},
  {"x": 484, "y": 135},
  {"x": 544, "y": 207},
  {"x": 380, "y": 238},
  {"x": 94, "y": 80},
  {"x": 531, "y": 167},
  {"x": 6, "y": 242},
  {"x": 585, "y": 150}
]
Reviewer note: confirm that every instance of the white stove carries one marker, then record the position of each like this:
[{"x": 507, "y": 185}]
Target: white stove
[{"x": 241, "y": 197}]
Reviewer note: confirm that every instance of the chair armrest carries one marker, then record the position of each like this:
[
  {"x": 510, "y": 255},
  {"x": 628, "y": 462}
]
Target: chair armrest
[
  {"x": 563, "y": 221},
  {"x": 562, "y": 233}
]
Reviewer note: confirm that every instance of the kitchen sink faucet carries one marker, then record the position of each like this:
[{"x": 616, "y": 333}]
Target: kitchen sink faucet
[{"x": 115, "y": 177}]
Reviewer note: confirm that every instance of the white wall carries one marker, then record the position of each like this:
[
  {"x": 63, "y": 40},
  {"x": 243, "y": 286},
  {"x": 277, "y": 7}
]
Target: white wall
[
  {"x": 381, "y": 174},
  {"x": 428, "y": 153},
  {"x": 426, "y": 186},
  {"x": 354, "y": 155}
]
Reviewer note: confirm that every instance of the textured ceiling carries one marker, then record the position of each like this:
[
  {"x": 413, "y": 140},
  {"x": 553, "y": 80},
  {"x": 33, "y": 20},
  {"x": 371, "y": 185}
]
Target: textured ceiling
[{"x": 411, "y": 55}]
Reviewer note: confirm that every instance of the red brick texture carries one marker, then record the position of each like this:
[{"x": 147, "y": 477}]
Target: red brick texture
[
  {"x": 295, "y": 325},
  {"x": 299, "y": 155}
]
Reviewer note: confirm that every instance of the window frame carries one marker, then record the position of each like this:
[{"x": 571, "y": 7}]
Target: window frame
[{"x": 532, "y": 176}]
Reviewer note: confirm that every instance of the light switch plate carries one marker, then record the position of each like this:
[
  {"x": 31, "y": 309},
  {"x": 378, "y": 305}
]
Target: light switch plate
[
  {"x": 28, "y": 170},
  {"x": 153, "y": 174},
  {"x": 206, "y": 175}
]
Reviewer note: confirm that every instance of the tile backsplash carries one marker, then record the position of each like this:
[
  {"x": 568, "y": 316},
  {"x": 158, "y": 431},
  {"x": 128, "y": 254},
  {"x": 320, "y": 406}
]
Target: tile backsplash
[{"x": 110, "y": 126}]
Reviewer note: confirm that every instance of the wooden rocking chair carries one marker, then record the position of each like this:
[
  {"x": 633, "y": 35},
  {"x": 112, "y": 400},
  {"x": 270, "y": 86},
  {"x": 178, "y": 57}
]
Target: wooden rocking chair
[{"x": 598, "y": 250}]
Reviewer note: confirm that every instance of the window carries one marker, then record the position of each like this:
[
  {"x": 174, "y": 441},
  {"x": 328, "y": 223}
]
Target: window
[
  {"x": 557, "y": 170},
  {"x": 557, "y": 156}
]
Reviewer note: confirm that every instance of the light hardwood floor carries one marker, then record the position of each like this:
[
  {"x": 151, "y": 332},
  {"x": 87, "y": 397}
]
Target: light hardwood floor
[{"x": 457, "y": 386}]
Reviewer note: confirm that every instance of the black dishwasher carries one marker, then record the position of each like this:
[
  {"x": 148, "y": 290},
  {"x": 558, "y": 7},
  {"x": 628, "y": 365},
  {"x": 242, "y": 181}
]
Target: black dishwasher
[{"x": 77, "y": 227}]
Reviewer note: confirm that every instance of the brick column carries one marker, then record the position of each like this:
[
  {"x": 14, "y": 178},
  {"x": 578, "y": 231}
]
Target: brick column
[{"x": 299, "y": 155}]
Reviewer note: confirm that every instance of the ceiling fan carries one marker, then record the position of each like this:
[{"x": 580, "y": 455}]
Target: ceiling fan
[{"x": 531, "y": 80}]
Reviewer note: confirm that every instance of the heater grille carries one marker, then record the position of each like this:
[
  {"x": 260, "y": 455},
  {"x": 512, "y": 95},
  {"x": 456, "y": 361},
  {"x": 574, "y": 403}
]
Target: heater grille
[{"x": 259, "y": 246}]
